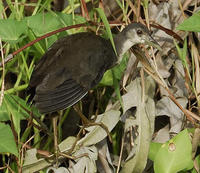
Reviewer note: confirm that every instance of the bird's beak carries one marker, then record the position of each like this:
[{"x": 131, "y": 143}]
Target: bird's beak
[{"x": 152, "y": 42}]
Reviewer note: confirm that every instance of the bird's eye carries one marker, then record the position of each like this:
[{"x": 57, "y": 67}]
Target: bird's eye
[{"x": 139, "y": 32}]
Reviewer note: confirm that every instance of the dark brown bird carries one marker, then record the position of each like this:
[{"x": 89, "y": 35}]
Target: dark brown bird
[{"x": 76, "y": 63}]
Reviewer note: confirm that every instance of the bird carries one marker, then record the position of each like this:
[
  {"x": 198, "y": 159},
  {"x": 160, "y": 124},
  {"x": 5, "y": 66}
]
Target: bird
[{"x": 76, "y": 63}]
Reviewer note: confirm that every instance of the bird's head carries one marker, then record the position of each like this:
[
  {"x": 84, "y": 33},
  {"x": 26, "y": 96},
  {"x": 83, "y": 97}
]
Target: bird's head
[{"x": 137, "y": 33}]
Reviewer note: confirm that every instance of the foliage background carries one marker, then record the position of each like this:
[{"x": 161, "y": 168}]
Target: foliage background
[{"x": 159, "y": 94}]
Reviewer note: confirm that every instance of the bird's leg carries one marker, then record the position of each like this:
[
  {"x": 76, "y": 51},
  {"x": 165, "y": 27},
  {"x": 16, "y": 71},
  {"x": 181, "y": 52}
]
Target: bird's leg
[
  {"x": 68, "y": 154},
  {"x": 83, "y": 118},
  {"x": 102, "y": 125},
  {"x": 88, "y": 123},
  {"x": 70, "y": 151},
  {"x": 56, "y": 149},
  {"x": 74, "y": 157}
]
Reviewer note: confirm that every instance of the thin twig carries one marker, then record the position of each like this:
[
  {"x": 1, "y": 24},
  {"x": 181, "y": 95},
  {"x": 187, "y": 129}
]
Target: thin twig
[
  {"x": 56, "y": 150},
  {"x": 73, "y": 157},
  {"x": 167, "y": 31},
  {"x": 9, "y": 168},
  {"x": 3, "y": 74},
  {"x": 121, "y": 152},
  {"x": 103, "y": 126},
  {"x": 22, "y": 149},
  {"x": 4, "y": 167},
  {"x": 84, "y": 10}
]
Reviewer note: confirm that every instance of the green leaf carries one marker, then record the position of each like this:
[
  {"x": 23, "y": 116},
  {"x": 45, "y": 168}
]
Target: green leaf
[
  {"x": 51, "y": 40},
  {"x": 107, "y": 78},
  {"x": 4, "y": 114},
  {"x": 117, "y": 89},
  {"x": 44, "y": 23},
  {"x": 191, "y": 24},
  {"x": 118, "y": 71},
  {"x": 67, "y": 19},
  {"x": 1, "y": 7},
  {"x": 119, "y": 3},
  {"x": 12, "y": 30},
  {"x": 175, "y": 155},
  {"x": 105, "y": 21},
  {"x": 153, "y": 150},
  {"x": 15, "y": 108},
  {"x": 7, "y": 141},
  {"x": 182, "y": 52}
]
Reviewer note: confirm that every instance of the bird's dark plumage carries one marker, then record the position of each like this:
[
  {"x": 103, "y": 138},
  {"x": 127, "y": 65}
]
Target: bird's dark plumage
[{"x": 72, "y": 66}]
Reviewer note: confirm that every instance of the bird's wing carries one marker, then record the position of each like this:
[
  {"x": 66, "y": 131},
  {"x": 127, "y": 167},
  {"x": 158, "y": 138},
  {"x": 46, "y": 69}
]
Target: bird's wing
[{"x": 61, "y": 97}]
